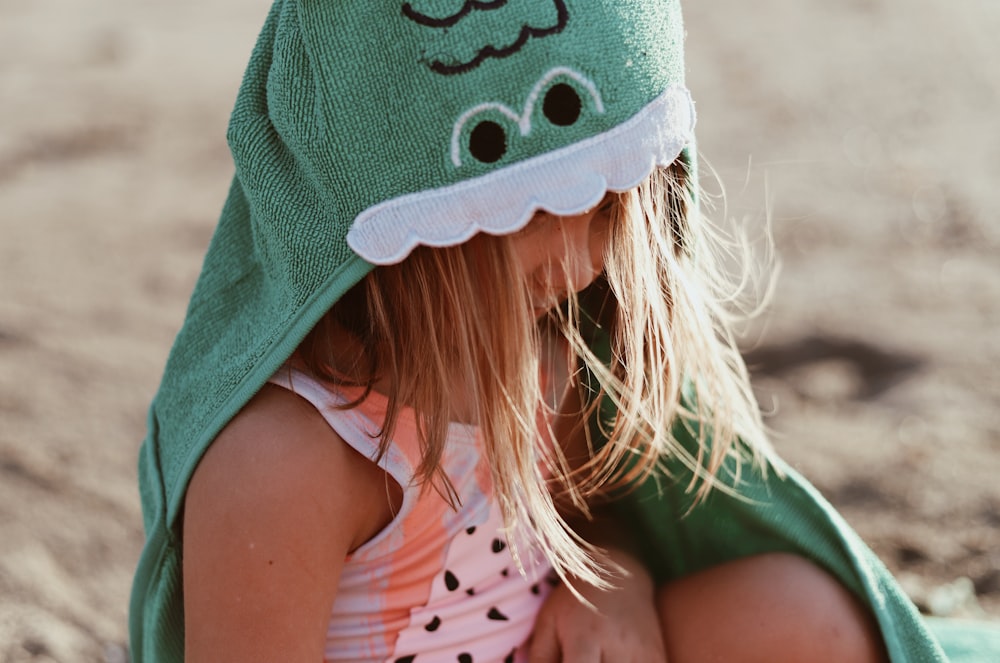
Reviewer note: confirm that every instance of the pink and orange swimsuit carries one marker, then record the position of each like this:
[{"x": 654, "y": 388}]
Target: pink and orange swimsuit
[{"x": 437, "y": 584}]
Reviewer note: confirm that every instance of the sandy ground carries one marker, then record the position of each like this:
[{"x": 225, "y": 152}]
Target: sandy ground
[{"x": 865, "y": 130}]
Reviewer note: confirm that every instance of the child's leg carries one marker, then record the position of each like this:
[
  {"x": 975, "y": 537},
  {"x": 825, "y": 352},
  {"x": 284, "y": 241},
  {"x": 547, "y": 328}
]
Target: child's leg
[{"x": 764, "y": 609}]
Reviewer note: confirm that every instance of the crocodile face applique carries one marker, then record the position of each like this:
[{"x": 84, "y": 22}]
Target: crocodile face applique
[{"x": 433, "y": 120}]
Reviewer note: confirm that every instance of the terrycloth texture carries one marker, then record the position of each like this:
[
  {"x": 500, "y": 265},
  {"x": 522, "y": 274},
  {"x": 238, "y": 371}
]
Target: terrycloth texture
[
  {"x": 362, "y": 128},
  {"x": 967, "y": 641}
]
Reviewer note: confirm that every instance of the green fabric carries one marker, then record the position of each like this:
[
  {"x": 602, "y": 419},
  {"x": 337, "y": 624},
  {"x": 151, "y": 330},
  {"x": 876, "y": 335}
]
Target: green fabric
[
  {"x": 967, "y": 641},
  {"x": 360, "y": 130}
]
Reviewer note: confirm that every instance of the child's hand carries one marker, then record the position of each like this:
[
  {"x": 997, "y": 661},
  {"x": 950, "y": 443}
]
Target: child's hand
[{"x": 624, "y": 629}]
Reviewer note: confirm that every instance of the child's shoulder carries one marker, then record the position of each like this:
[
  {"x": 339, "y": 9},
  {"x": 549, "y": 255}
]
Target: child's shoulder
[
  {"x": 273, "y": 509},
  {"x": 279, "y": 458}
]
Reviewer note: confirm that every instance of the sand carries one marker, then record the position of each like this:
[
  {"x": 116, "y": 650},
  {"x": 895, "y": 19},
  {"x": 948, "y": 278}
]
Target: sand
[{"x": 865, "y": 131}]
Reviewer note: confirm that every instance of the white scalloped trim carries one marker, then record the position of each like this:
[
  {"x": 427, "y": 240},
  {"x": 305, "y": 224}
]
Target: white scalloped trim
[{"x": 565, "y": 182}]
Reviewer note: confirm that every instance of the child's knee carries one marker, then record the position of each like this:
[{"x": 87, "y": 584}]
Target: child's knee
[{"x": 768, "y": 607}]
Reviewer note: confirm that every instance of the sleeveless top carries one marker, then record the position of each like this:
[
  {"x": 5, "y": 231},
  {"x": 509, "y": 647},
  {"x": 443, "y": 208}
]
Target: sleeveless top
[{"x": 437, "y": 584}]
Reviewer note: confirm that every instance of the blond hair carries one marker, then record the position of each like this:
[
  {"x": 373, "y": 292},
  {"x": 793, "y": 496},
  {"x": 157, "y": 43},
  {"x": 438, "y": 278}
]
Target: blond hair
[{"x": 456, "y": 318}]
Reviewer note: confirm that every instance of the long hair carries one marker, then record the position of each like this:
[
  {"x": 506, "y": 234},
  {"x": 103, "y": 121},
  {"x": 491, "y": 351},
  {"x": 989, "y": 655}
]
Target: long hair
[{"x": 455, "y": 325}]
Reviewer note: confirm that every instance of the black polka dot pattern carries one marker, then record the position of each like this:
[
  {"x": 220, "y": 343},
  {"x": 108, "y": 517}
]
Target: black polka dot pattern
[
  {"x": 479, "y": 572},
  {"x": 496, "y": 615}
]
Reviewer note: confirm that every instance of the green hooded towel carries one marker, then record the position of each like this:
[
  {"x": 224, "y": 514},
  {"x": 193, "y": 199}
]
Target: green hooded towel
[{"x": 365, "y": 128}]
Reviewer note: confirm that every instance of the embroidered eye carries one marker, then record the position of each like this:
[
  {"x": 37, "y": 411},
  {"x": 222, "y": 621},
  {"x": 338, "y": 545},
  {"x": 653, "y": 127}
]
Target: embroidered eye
[
  {"x": 562, "y": 105},
  {"x": 488, "y": 142}
]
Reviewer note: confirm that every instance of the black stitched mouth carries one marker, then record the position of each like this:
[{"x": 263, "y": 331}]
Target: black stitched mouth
[{"x": 488, "y": 51}]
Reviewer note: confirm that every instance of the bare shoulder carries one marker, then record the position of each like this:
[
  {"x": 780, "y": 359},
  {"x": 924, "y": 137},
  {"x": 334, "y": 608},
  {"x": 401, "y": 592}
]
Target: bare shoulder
[
  {"x": 273, "y": 509},
  {"x": 279, "y": 454}
]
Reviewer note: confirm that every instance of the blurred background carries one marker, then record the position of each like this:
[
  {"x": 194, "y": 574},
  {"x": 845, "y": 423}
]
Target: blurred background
[{"x": 865, "y": 131}]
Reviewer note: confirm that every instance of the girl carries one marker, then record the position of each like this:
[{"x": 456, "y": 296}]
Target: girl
[{"x": 459, "y": 309}]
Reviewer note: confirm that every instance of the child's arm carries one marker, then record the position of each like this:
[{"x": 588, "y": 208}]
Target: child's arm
[
  {"x": 625, "y": 625},
  {"x": 273, "y": 508}
]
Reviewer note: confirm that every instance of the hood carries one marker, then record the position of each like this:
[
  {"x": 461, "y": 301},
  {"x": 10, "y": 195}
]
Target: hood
[{"x": 363, "y": 129}]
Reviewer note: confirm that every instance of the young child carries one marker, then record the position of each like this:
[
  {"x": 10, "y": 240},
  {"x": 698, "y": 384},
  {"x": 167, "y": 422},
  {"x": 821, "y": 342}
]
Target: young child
[{"x": 456, "y": 382}]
